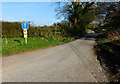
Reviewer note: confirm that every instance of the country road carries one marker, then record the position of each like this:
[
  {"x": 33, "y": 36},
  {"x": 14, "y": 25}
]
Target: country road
[{"x": 70, "y": 62}]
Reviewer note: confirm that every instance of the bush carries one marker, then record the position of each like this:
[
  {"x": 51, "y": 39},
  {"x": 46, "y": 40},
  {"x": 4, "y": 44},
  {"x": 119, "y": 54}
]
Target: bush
[{"x": 13, "y": 29}]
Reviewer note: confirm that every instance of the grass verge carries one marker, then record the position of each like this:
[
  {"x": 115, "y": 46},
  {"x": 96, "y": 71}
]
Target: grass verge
[
  {"x": 16, "y": 45},
  {"x": 109, "y": 57}
]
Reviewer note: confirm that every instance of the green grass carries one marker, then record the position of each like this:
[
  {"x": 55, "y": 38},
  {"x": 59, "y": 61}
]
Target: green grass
[
  {"x": 16, "y": 45},
  {"x": 102, "y": 40}
]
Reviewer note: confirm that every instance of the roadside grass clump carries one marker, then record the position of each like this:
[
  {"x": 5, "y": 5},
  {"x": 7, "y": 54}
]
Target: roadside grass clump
[{"x": 16, "y": 45}]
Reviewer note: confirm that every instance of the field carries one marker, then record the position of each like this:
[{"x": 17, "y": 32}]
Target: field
[{"x": 16, "y": 45}]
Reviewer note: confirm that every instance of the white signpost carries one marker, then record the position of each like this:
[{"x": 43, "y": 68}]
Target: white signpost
[{"x": 25, "y": 26}]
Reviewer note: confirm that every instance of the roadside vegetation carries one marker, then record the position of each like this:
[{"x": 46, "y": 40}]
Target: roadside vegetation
[
  {"x": 108, "y": 41},
  {"x": 38, "y": 37},
  {"x": 16, "y": 45},
  {"x": 109, "y": 56}
]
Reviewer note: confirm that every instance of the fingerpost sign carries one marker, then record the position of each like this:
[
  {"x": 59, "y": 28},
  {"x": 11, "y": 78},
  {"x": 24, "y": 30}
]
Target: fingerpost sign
[{"x": 25, "y": 26}]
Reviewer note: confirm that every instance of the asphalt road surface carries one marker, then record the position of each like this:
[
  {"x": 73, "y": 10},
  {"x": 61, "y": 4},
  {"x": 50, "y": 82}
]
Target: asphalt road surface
[{"x": 70, "y": 62}]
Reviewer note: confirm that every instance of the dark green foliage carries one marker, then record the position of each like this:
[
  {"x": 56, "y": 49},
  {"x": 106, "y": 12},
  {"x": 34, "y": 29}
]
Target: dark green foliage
[{"x": 11, "y": 29}]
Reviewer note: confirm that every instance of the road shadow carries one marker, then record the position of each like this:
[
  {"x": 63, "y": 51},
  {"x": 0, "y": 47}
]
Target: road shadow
[{"x": 90, "y": 36}]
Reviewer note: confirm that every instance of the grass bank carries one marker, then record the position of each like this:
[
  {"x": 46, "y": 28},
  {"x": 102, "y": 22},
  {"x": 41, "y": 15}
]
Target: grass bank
[
  {"x": 109, "y": 57},
  {"x": 16, "y": 45}
]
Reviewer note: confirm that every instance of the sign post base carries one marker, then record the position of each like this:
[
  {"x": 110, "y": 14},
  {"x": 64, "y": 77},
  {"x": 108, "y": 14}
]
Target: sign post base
[{"x": 25, "y": 40}]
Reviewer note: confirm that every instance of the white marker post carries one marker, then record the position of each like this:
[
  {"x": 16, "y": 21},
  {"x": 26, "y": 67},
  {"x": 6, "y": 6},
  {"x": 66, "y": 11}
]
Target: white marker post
[{"x": 25, "y": 26}]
